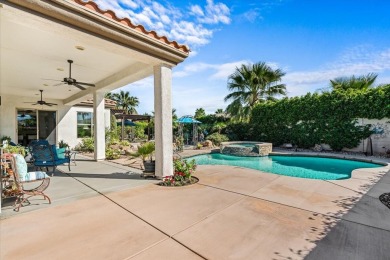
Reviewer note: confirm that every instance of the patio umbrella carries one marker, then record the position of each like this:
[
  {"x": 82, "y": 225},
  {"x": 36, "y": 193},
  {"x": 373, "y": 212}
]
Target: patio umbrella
[
  {"x": 127, "y": 123},
  {"x": 188, "y": 120}
]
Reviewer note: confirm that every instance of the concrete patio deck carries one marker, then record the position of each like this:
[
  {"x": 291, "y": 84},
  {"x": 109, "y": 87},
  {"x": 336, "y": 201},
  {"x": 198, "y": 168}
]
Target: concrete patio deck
[{"x": 232, "y": 213}]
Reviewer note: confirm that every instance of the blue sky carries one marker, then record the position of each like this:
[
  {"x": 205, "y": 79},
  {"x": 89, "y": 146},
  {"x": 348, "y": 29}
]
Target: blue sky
[{"x": 311, "y": 41}]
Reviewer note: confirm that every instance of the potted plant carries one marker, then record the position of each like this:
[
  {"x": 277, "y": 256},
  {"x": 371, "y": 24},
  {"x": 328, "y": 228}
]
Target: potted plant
[
  {"x": 146, "y": 151},
  {"x": 62, "y": 144}
]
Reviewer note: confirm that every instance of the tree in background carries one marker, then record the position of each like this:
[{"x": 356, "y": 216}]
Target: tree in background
[
  {"x": 357, "y": 83},
  {"x": 109, "y": 95},
  {"x": 199, "y": 112},
  {"x": 124, "y": 101},
  {"x": 250, "y": 85},
  {"x": 218, "y": 127}
]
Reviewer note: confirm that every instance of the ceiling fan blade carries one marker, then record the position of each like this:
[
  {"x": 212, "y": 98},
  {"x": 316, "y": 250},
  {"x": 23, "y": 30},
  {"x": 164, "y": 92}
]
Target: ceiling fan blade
[
  {"x": 78, "y": 86},
  {"x": 50, "y": 104},
  {"x": 87, "y": 84},
  {"x": 29, "y": 102},
  {"x": 59, "y": 84}
]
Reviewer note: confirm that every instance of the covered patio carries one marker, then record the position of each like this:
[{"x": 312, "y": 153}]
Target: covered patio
[{"x": 37, "y": 39}]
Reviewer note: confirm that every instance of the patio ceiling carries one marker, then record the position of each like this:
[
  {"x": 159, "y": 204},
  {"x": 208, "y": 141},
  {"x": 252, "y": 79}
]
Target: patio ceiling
[{"x": 35, "y": 49}]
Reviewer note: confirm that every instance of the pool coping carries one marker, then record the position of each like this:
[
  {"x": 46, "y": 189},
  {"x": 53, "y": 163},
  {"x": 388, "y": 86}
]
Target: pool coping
[
  {"x": 332, "y": 156},
  {"x": 305, "y": 154}
]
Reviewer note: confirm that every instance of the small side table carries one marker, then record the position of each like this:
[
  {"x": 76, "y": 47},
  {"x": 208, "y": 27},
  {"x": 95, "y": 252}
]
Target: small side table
[{"x": 72, "y": 156}]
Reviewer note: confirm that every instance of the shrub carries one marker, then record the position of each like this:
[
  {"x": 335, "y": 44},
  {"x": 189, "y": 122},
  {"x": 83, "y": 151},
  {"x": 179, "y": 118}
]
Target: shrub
[
  {"x": 112, "y": 136},
  {"x": 112, "y": 154},
  {"x": 239, "y": 131},
  {"x": 86, "y": 145},
  {"x": 217, "y": 139},
  {"x": 124, "y": 143},
  {"x": 139, "y": 130},
  {"x": 328, "y": 118},
  {"x": 182, "y": 173}
]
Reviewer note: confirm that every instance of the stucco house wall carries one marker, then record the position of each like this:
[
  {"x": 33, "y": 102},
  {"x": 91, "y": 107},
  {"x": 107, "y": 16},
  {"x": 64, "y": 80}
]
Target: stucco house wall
[
  {"x": 66, "y": 118},
  {"x": 67, "y": 125}
]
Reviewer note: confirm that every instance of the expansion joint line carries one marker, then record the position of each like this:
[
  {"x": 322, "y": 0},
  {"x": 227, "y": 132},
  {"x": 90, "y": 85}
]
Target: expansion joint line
[
  {"x": 338, "y": 218},
  {"x": 135, "y": 215}
]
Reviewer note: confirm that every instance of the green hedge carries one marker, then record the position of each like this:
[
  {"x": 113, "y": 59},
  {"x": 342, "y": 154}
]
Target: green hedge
[{"x": 320, "y": 118}]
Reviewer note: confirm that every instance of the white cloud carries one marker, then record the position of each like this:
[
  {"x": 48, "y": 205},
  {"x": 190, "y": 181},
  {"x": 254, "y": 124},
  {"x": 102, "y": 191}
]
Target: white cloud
[
  {"x": 212, "y": 14},
  {"x": 218, "y": 71},
  {"x": 190, "y": 32},
  {"x": 128, "y": 4},
  {"x": 170, "y": 21},
  {"x": 223, "y": 71},
  {"x": 357, "y": 61},
  {"x": 196, "y": 10},
  {"x": 252, "y": 15}
]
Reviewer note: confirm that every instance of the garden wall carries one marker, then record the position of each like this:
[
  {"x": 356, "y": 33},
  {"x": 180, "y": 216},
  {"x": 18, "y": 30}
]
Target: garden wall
[{"x": 379, "y": 139}]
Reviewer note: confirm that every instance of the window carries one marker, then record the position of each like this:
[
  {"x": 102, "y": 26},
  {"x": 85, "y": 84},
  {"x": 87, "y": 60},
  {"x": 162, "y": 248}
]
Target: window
[{"x": 84, "y": 124}]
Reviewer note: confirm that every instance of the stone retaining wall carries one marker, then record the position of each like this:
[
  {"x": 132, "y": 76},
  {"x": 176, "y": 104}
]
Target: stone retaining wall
[{"x": 236, "y": 148}]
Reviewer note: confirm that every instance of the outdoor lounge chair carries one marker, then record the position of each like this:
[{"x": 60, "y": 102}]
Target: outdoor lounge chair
[
  {"x": 22, "y": 176},
  {"x": 49, "y": 156}
]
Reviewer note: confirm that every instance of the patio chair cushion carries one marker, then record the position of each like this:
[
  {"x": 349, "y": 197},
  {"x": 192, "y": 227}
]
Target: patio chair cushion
[
  {"x": 60, "y": 153},
  {"x": 24, "y": 175},
  {"x": 33, "y": 176}
]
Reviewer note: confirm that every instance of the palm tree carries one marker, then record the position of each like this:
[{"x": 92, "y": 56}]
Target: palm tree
[
  {"x": 199, "y": 112},
  {"x": 357, "y": 83},
  {"x": 109, "y": 95},
  {"x": 126, "y": 102},
  {"x": 219, "y": 111},
  {"x": 219, "y": 127},
  {"x": 250, "y": 85}
]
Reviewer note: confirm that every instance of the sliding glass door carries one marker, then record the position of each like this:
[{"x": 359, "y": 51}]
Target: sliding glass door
[{"x": 36, "y": 124}]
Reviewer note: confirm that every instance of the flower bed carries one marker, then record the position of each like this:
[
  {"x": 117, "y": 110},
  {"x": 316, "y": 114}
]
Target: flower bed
[{"x": 182, "y": 175}]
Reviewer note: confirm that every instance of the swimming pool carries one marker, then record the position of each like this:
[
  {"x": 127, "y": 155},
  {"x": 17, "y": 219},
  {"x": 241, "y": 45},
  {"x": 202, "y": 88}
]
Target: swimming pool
[{"x": 296, "y": 166}]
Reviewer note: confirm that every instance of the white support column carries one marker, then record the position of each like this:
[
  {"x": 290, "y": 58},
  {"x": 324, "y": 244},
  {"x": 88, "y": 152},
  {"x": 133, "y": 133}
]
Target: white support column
[
  {"x": 99, "y": 126},
  {"x": 163, "y": 120}
]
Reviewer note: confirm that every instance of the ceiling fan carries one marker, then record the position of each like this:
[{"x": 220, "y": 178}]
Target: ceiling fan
[
  {"x": 72, "y": 81},
  {"x": 41, "y": 102}
]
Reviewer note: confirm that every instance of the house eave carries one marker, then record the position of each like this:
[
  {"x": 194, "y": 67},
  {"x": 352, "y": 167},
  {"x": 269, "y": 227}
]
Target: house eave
[{"x": 82, "y": 18}]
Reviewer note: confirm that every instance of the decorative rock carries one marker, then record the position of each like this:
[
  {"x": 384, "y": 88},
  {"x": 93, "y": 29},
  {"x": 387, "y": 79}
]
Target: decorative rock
[
  {"x": 317, "y": 148},
  {"x": 264, "y": 149},
  {"x": 207, "y": 143}
]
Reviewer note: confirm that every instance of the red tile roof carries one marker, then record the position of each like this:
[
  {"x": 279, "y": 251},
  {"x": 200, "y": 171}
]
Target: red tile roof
[
  {"x": 111, "y": 14},
  {"x": 108, "y": 103}
]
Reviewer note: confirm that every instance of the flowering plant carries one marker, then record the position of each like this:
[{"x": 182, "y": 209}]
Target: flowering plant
[{"x": 182, "y": 173}]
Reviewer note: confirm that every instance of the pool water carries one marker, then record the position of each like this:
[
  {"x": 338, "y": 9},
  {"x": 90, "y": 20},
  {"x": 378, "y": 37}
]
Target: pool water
[{"x": 296, "y": 166}]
